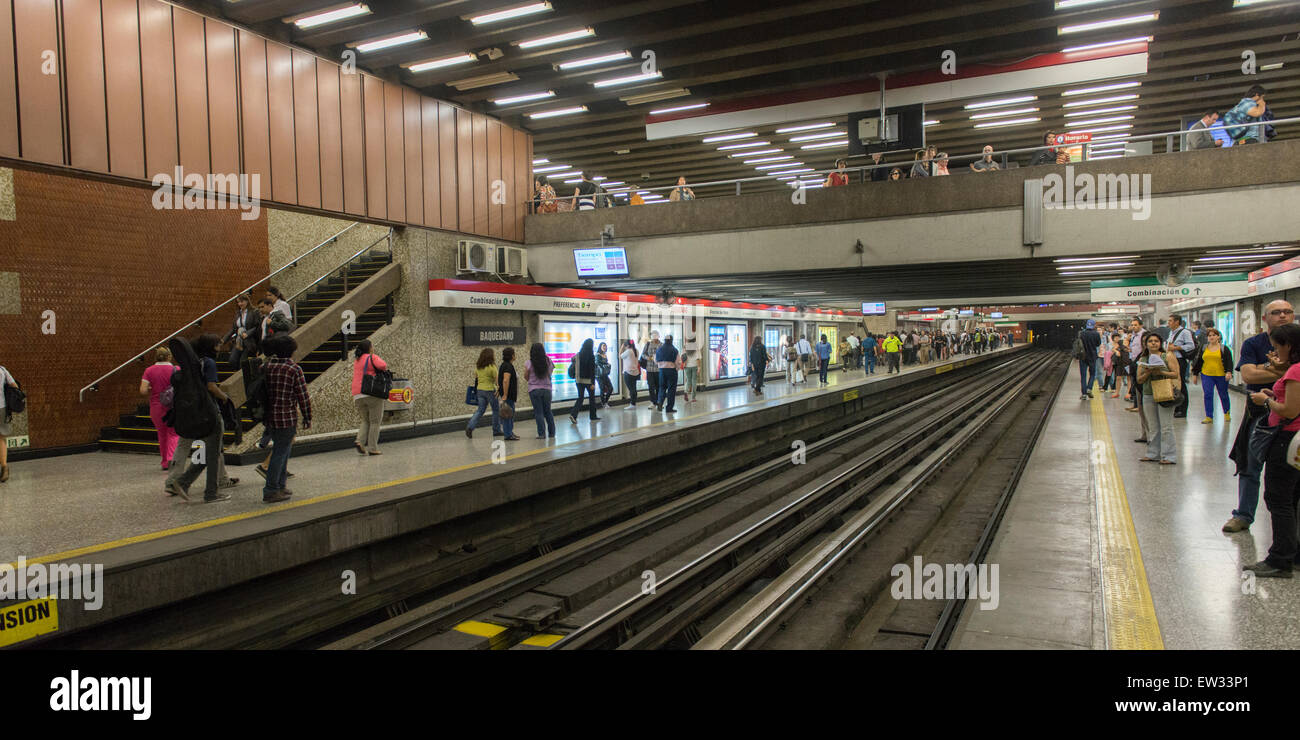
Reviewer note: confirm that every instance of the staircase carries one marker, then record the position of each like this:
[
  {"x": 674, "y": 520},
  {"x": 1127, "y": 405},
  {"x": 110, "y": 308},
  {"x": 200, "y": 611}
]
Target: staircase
[{"x": 135, "y": 431}]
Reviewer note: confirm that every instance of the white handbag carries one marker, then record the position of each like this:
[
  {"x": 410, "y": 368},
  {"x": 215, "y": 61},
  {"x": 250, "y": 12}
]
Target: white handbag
[
  {"x": 1293, "y": 452},
  {"x": 798, "y": 378}
]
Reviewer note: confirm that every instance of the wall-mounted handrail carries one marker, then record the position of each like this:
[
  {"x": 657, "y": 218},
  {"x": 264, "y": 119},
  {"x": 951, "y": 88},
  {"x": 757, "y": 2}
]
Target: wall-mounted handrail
[
  {"x": 94, "y": 385},
  {"x": 386, "y": 237}
]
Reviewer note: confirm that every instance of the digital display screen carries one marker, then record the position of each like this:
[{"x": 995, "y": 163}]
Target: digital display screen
[
  {"x": 927, "y": 310},
  {"x": 995, "y": 315},
  {"x": 563, "y": 339},
  {"x": 875, "y": 308},
  {"x": 601, "y": 262},
  {"x": 967, "y": 312},
  {"x": 728, "y": 350},
  {"x": 774, "y": 338}
]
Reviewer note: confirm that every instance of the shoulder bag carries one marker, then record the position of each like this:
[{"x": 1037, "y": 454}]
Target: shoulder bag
[
  {"x": 471, "y": 393},
  {"x": 15, "y": 399},
  {"x": 1167, "y": 391},
  {"x": 377, "y": 385}
]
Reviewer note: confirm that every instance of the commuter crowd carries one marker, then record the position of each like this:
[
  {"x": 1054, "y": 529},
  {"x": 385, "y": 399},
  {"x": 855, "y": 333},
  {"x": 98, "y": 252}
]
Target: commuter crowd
[{"x": 1155, "y": 368}]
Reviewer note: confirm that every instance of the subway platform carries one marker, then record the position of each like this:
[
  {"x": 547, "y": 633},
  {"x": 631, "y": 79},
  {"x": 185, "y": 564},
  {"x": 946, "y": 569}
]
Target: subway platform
[{"x": 1098, "y": 550}]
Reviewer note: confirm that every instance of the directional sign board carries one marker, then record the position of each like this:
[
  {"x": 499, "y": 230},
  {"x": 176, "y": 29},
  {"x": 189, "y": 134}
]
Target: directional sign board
[{"x": 1200, "y": 286}]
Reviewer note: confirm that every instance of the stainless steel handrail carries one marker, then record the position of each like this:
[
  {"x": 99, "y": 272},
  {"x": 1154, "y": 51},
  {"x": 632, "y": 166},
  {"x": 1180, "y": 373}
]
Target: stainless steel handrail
[
  {"x": 864, "y": 168},
  {"x": 94, "y": 385},
  {"x": 332, "y": 270}
]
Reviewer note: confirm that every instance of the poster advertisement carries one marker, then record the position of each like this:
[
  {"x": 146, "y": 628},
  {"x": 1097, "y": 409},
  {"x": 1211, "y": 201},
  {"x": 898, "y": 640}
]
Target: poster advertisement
[
  {"x": 1224, "y": 321},
  {"x": 833, "y": 336},
  {"x": 774, "y": 338},
  {"x": 727, "y": 348},
  {"x": 562, "y": 340}
]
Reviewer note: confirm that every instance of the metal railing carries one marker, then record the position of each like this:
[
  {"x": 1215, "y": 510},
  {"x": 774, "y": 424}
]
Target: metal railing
[
  {"x": 905, "y": 167},
  {"x": 94, "y": 385},
  {"x": 346, "y": 266}
]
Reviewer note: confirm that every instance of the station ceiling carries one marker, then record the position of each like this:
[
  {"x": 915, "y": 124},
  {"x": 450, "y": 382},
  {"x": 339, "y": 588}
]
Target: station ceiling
[{"x": 715, "y": 51}]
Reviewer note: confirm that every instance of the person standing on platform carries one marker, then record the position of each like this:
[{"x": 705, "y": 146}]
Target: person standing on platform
[
  {"x": 1281, "y": 481},
  {"x": 1210, "y": 367},
  {"x": 1107, "y": 366},
  {"x": 485, "y": 383},
  {"x": 1090, "y": 341},
  {"x": 823, "y": 358},
  {"x": 286, "y": 390},
  {"x": 844, "y": 354},
  {"x": 791, "y": 359},
  {"x": 537, "y": 371},
  {"x": 370, "y": 410},
  {"x": 855, "y": 351},
  {"x": 869, "y": 353},
  {"x": 805, "y": 356},
  {"x": 1157, "y": 363},
  {"x": 197, "y": 418},
  {"x": 631, "y": 372},
  {"x": 6, "y": 428},
  {"x": 584, "y": 376},
  {"x": 602, "y": 375},
  {"x": 508, "y": 390},
  {"x": 1183, "y": 344},
  {"x": 893, "y": 351},
  {"x": 1137, "y": 335},
  {"x": 1258, "y": 371},
  {"x": 158, "y": 378},
  {"x": 690, "y": 366},
  {"x": 648, "y": 351},
  {"x": 758, "y": 363},
  {"x": 666, "y": 359},
  {"x": 927, "y": 343}
]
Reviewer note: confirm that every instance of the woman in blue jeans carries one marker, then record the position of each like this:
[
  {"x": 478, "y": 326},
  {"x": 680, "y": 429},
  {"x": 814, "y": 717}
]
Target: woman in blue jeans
[
  {"x": 823, "y": 358},
  {"x": 508, "y": 390},
  {"x": 537, "y": 371},
  {"x": 485, "y": 381}
]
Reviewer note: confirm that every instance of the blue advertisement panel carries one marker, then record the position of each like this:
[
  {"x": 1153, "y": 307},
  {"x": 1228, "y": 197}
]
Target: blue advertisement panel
[
  {"x": 728, "y": 344},
  {"x": 562, "y": 340}
]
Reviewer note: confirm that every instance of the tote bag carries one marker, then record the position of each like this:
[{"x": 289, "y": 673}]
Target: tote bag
[
  {"x": 377, "y": 385},
  {"x": 471, "y": 393}
]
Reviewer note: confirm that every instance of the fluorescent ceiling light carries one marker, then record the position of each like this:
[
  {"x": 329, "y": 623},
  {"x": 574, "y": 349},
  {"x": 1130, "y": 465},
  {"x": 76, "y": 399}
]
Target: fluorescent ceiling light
[
  {"x": 471, "y": 83},
  {"x": 508, "y": 13},
  {"x": 1100, "y": 101},
  {"x": 1108, "y": 137},
  {"x": 1014, "y": 122},
  {"x": 566, "y": 174},
  {"x": 1218, "y": 265},
  {"x": 581, "y": 33},
  {"x": 540, "y": 161},
  {"x": 558, "y": 112},
  {"x": 1271, "y": 67},
  {"x": 1117, "y": 127},
  {"x": 825, "y": 144},
  {"x": 1002, "y": 101},
  {"x": 1101, "y": 88},
  {"x": 553, "y": 168},
  {"x": 1063, "y": 4},
  {"x": 815, "y": 137},
  {"x": 384, "y": 43},
  {"x": 810, "y": 292},
  {"x": 1252, "y": 250},
  {"x": 792, "y": 173},
  {"x": 573, "y": 182},
  {"x": 655, "y": 96},
  {"x": 1104, "y": 156},
  {"x": 805, "y": 127},
  {"x": 1127, "y": 20},
  {"x": 1096, "y": 259},
  {"x": 678, "y": 109},
  {"x": 1094, "y": 272},
  {"x": 1096, "y": 266},
  {"x": 727, "y": 137},
  {"x": 811, "y": 185},
  {"x": 1099, "y": 111},
  {"x": 765, "y": 160},
  {"x": 440, "y": 63},
  {"x": 524, "y": 98},
  {"x": 1096, "y": 121},
  {"x": 746, "y": 145},
  {"x": 598, "y": 178},
  {"x": 1237, "y": 257},
  {"x": 791, "y": 177},
  {"x": 756, "y": 152},
  {"x": 933, "y": 122},
  {"x": 782, "y": 165},
  {"x": 591, "y": 61},
  {"x": 627, "y": 80},
  {"x": 615, "y": 182},
  {"x": 1001, "y": 113},
  {"x": 1104, "y": 44},
  {"x": 329, "y": 16},
  {"x": 1244, "y": 3}
]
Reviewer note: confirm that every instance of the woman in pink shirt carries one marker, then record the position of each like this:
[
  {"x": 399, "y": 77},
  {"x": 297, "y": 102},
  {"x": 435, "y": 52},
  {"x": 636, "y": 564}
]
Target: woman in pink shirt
[
  {"x": 370, "y": 409},
  {"x": 158, "y": 378}
]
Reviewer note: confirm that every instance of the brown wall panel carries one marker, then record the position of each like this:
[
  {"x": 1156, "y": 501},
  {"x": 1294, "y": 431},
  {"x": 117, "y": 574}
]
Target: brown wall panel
[
  {"x": 523, "y": 181},
  {"x": 395, "y": 151},
  {"x": 353, "y": 122},
  {"x": 508, "y": 184},
  {"x": 306, "y": 127},
  {"x": 495, "y": 187},
  {"x": 84, "y": 68},
  {"x": 223, "y": 100},
  {"x": 480, "y": 180},
  {"x": 331, "y": 146},
  {"x": 8, "y": 83},
  {"x": 414, "y": 145},
  {"x": 191, "y": 90},
  {"x": 465, "y": 170},
  {"x": 279, "y": 94},
  {"x": 253, "y": 110},
  {"x": 450, "y": 211},
  {"x": 372, "y": 94},
  {"x": 158, "y": 85},
  {"x": 122, "y": 78},
  {"x": 432, "y": 185},
  {"x": 39, "y": 103}
]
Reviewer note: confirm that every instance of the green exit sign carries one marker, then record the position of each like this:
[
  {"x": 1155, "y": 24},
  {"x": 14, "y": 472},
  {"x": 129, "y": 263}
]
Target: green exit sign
[{"x": 14, "y": 443}]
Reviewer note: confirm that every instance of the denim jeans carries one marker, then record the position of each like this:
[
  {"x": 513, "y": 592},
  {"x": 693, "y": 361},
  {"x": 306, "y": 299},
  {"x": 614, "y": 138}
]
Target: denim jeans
[
  {"x": 541, "y": 398},
  {"x": 1087, "y": 374},
  {"x": 282, "y": 444},
  {"x": 1248, "y": 478},
  {"x": 508, "y": 424},
  {"x": 668, "y": 387},
  {"x": 1209, "y": 385},
  {"x": 822, "y": 366},
  {"x": 629, "y": 382},
  {"x": 590, "y": 390},
  {"x": 485, "y": 398},
  {"x": 870, "y": 359}
]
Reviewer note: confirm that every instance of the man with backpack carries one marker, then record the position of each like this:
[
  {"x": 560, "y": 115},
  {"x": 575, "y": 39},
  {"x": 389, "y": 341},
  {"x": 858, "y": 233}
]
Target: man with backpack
[
  {"x": 1086, "y": 347},
  {"x": 196, "y": 416},
  {"x": 1183, "y": 344},
  {"x": 649, "y": 364}
]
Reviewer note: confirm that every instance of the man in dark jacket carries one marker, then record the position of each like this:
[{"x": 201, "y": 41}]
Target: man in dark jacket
[
  {"x": 198, "y": 419},
  {"x": 758, "y": 363},
  {"x": 1091, "y": 341},
  {"x": 666, "y": 357}
]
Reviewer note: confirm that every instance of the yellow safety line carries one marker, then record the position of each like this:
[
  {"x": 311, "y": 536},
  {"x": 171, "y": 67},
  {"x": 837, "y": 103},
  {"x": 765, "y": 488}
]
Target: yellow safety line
[
  {"x": 543, "y": 640},
  {"x": 480, "y": 629},
  {"x": 1131, "y": 622}
]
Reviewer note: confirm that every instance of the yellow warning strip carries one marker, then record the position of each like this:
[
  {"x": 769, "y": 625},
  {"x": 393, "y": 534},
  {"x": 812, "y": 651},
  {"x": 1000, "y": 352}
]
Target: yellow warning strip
[
  {"x": 543, "y": 640},
  {"x": 480, "y": 629},
  {"x": 1130, "y": 613}
]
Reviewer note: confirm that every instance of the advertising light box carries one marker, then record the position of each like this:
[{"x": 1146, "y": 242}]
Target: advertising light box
[
  {"x": 600, "y": 262},
  {"x": 728, "y": 349},
  {"x": 832, "y": 337},
  {"x": 562, "y": 340}
]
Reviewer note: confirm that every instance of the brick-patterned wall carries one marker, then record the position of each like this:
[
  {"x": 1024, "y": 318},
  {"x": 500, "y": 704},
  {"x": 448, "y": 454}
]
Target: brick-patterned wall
[{"x": 119, "y": 275}]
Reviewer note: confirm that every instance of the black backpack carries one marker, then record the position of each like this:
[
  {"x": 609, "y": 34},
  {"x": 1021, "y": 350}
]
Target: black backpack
[
  {"x": 15, "y": 399},
  {"x": 277, "y": 324},
  {"x": 257, "y": 398},
  {"x": 194, "y": 410},
  {"x": 1079, "y": 353}
]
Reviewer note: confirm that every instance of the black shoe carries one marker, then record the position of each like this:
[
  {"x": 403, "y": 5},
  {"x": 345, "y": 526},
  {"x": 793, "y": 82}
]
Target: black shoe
[
  {"x": 1141, "y": 440},
  {"x": 596, "y": 418},
  {"x": 260, "y": 471},
  {"x": 209, "y": 498},
  {"x": 1179, "y": 416},
  {"x": 1265, "y": 569},
  {"x": 276, "y": 497},
  {"x": 498, "y": 434},
  {"x": 468, "y": 433},
  {"x": 1089, "y": 394}
]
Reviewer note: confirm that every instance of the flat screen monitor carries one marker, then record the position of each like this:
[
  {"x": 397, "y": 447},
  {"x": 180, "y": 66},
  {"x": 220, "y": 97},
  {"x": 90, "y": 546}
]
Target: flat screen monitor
[
  {"x": 966, "y": 312},
  {"x": 601, "y": 262},
  {"x": 930, "y": 309},
  {"x": 873, "y": 308},
  {"x": 995, "y": 315}
]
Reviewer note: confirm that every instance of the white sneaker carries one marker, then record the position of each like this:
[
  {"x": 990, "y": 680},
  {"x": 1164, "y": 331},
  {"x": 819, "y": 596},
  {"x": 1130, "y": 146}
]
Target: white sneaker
[{"x": 630, "y": 407}]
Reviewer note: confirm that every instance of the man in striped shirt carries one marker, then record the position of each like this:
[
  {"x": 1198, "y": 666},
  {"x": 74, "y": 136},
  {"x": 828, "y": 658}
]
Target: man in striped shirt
[{"x": 286, "y": 390}]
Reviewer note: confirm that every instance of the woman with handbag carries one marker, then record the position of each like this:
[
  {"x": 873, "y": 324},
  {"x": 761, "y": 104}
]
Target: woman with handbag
[
  {"x": 602, "y": 375},
  {"x": 1212, "y": 368},
  {"x": 6, "y": 413},
  {"x": 485, "y": 392},
  {"x": 1159, "y": 382},
  {"x": 370, "y": 408},
  {"x": 508, "y": 389},
  {"x": 631, "y": 372},
  {"x": 157, "y": 379},
  {"x": 583, "y": 370},
  {"x": 1278, "y": 432},
  {"x": 537, "y": 371}
]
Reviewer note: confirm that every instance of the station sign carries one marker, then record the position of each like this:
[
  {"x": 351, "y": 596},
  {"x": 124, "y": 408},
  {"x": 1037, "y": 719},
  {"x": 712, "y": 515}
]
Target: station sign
[
  {"x": 475, "y": 336},
  {"x": 1274, "y": 279},
  {"x": 1073, "y": 138},
  {"x": 1232, "y": 285}
]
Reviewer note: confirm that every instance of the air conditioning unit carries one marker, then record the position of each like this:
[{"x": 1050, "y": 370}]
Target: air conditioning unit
[
  {"x": 475, "y": 256},
  {"x": 512, "y": 261}
]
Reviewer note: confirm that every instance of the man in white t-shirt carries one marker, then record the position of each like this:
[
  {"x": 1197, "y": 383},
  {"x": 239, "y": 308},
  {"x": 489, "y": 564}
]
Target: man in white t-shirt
[
  {"x": 805, "y": 355},
  {"x": 855, "y": 357}
]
